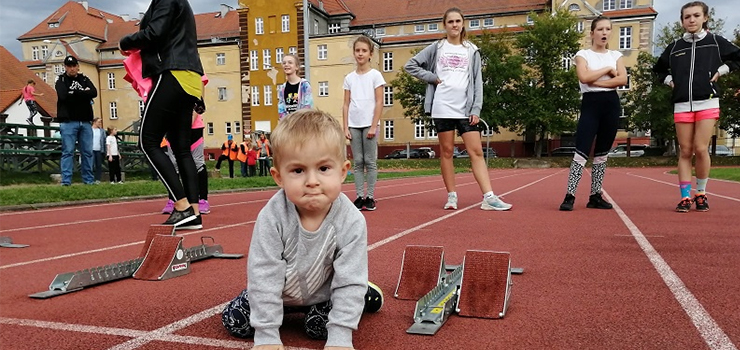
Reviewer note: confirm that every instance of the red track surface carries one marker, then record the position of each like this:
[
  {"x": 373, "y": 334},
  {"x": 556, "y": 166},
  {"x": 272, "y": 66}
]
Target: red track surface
[{"x": 637, "y": 277}]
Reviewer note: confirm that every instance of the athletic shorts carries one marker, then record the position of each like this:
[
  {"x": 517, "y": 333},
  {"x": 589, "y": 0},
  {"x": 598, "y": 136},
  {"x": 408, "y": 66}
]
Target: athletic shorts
[
  {"x": 692, "y": 117},
  {"x": 461, "y": 125}
]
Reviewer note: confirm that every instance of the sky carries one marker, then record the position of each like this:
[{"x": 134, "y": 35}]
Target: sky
[{"x": 18, "y": 17}]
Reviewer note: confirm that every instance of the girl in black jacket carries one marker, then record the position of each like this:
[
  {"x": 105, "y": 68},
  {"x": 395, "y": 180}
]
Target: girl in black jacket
[{"x": 691, "y": 66}]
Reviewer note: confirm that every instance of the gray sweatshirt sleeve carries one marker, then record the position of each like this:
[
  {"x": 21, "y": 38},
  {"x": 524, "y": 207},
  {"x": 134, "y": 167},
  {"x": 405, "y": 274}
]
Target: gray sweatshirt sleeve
[
  {"x": 266, "y": 273},
  {"x": 349, "y": 283},
  {"x": 419, "y": 65},
  {"x": 477, "y": 85}
]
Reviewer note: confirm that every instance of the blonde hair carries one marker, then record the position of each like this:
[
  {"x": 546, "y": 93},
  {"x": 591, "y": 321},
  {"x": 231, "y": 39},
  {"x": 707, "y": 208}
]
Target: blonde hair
[
  {"x": 296, "y": 60},
  {"x": 302, "y": 129}
]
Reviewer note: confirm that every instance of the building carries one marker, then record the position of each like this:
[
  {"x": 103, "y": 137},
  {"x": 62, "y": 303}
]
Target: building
[{"x": 92, "y": 36}]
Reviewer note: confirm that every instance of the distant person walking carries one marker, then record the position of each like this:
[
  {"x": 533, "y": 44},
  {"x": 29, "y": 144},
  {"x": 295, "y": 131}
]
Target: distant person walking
[{"x": 29, "y": 96}]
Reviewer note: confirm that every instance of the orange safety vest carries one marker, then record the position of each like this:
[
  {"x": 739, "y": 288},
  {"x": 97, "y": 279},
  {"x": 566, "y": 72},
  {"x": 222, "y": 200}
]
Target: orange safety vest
[
  {"x": 243, "y": 156},
  {"x": 259, "y": 147},
  {"x": 228, "y": 151}
]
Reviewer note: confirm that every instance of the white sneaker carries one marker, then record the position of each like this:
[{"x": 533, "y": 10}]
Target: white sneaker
[
  {"x": 451, "y": 202},
  {"x": 494, "y": 203}
]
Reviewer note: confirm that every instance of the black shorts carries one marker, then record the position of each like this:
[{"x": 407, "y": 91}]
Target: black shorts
[{"x": 461, "y": 125}]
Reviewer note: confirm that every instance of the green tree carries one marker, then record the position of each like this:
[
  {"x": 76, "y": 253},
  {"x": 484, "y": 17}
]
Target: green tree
[
  {"x": 730, "y": 98},
  {"x": 547, "y": 92},
  {"x": 410, "y": 92}
]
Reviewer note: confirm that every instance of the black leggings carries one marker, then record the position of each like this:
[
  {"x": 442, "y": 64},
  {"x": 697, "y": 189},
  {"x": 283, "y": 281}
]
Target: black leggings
[
  {"x": 114, "y": 169},
  {"x": 169, "y": 111},
  {"x": 600, "y": 119}
]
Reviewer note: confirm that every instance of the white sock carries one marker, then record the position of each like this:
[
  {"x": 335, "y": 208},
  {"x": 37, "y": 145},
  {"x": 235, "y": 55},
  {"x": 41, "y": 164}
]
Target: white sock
[{"x": 488, "y": 194}]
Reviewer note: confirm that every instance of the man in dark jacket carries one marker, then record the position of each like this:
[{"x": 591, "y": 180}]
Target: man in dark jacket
[{"x": 75, "y": 92}]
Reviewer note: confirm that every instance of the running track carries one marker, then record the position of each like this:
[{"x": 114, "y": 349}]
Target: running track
[{"x": 637, "y": 277}]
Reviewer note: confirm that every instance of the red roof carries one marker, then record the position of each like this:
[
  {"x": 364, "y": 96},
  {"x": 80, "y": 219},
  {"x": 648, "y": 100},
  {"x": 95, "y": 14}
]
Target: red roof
[
  {"x": 73, "y": 18},
  {"x": 634, "y": 12},
  {"x": 332, "y": 7},
  {"x": 116, "y": 31},
  {"x": 435, "y": 36},
  {"x": 14, "y": 76}
]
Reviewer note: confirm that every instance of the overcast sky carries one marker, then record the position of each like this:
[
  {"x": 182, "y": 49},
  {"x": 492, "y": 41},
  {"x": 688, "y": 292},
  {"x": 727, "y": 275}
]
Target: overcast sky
[{"x": 18, "y": 17}]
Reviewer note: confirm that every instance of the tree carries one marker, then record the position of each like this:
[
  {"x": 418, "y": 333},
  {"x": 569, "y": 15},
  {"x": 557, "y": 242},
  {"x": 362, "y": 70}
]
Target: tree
[
  {"x": 730, "y": 98},
  {"x": 547, "y": 92},
  {"x": 410, "y": 92}
]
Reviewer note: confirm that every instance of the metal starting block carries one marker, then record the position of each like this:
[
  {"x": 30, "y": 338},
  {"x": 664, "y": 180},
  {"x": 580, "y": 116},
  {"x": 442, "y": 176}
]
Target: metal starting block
[
  {"x": 70, "y": 282},
  {"x": 7, "y": 242},
  {"x": 479, "y": 287}
]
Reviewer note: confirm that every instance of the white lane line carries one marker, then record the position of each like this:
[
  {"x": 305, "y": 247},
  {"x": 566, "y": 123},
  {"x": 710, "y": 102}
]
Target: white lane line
[
  {"x": 74, "y": 223},
  {"x": 674, "y": 185},
  {"x": 119, "y": 246},
  {"x": 709, "y": 330}
]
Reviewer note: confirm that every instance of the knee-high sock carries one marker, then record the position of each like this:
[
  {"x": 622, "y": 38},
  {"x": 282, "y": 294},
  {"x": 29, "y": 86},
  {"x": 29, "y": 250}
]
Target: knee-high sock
[
  {"x": 576, "y": 171},
  {"x": 597, "y": 174}
]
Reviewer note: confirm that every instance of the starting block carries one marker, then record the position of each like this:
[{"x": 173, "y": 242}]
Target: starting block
[
  {"x": 421, "y": 269},
  {"x": 162, "y": 257},
  {"x": 479, "y": 287},
  {"x": 7, "y": 242}
]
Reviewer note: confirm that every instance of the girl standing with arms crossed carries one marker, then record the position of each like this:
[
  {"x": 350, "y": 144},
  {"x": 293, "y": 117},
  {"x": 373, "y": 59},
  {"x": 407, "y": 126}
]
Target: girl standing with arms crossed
[
  {"x": 600, "y": 71},
  {"x": 454, "y": 97},
  {"x": 691, "y": 66},
  {"x": 363, "y": 103},
  {"x": 295, "y": 93}
]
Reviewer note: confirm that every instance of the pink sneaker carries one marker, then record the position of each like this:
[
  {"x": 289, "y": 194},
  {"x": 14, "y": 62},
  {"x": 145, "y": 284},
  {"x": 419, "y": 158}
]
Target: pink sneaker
[
  {"x": 204, "y": 207},
  {"x": 169, "y": 207}
]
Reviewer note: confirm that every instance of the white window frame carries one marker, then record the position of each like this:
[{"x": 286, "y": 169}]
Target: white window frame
[
  {"x": 388, "y": 130},
  {"x": 255, "y": 95},
  {"x": 387, "y": 61},
  {"x": 209, "y": 128},
  {"x": 113, "y": 109},
  {"x": 35, "y": 53},
  {"x": 111, "y": 81},
  {"x": 488, "y": 22},
  {"x": 418, "y": 28},
  {"x": 259, "y": 26},
  {"x": 58, "y": 69},
  {"x": 610, "y": 5},
  {"x": 142, "y": 106},
  {"x": 220, "y": 59},
  {"x": 567, "y": 63},
  {"x": 237, "y": 127},
  {"x": 222, "y": 93},
  {"x": 323, "y": 52},
  {"x": 323, "y": 88},
  {"x": 45, "y": 77},
  {"x": 254, "y": 60},
  {"x": 474, "y": 23},
  {"x": 379, "y": 31},
  {"x": 387, "y": 96},
  {"x": 530, "y": 20},
  {"x": 335, "y": 28},
  {"x": 285, "y": 23},
  {"x": 626, "y": 4},
  {"x": 625, "y": 38},
  {"x": 316, "y": 26},
  {"x": 268, "y": 95},
  {"x": 579, "y": 26},
  {"x": 431, "y": 133},
  {"x": 574, "y": 8},
  {"x": 227, "y": 127},
  {"x": 279, "y": 53},
  {"x": 432, "y": 27},
  {"x": 266, "y": 59},
  {"x": 292, "y": 50},
  {"x": 44, "y": 52},
  {"x": 419, "y": 130}
]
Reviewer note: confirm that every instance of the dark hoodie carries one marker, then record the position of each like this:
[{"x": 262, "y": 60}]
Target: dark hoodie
[{"x": 74, "y": 98}]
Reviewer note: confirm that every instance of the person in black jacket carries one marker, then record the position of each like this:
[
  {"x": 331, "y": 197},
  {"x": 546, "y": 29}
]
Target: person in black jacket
[
  {"x": 75, "y": 92},
  {"x": 168, "y": 43},
  {"x": 691, "y": 66}
]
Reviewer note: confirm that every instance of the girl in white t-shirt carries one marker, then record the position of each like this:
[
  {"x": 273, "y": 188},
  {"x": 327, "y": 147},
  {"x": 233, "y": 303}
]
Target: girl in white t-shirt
[
  {"x": 363, "y": 103},
  {"x": 600, "y": 71},
  {"x": 454, "y": 98},
  {"x": 114, "y": 157}
]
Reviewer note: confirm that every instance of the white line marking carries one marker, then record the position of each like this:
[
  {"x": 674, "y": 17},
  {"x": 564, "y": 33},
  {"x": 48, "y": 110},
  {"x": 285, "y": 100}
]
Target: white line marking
[
  {"x": 73, "y": 327},
  {"x": 674, "y": 185},
  {"x": 713, "y": 335}
]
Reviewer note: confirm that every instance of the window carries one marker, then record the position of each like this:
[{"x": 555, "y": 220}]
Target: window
[
  {"x": 629, "y": 81},
  {"x": 388, "y": 129},
  {"x": 259, "y": 26},
  {"x": 237, "y": 127},
  {"x": 334, "y": 28},
  {"x": 222, "y": 93},
  {"x": 610, "y": 5},
  {"x": 625, "y": 4},
  {"x": 292, "y": 50},
  {"x": 220, "y": 59},
  {"x": 432, "y": 27},
  {"x": 419, "y": 28},
  {"x": 488, "y": 22},
  {"x": 34, "y": 53},
  {"x": 579, "y": 26},
  {"x": 45, "y": 77},
  {"x": 625, "y": 38},
  {"x": 228, "y": 127},
  {"x": 255, "y": 95},
  {"x": 44, "y": 52},
  {"x": 387, "y": 61},
  {"x": 387, "y": 96},
  {"x": 323, "y": 52},
  {"x": 530, "y": 20},
  {"x": 279, "y": 55},
  {"x": 432, "y": 133},
  {"x": 209, "y": 128},
  {"x": 285, "y": 20},
  {"x": 574, "y": 8},
  {"x": 266, "y": 57},
  {"x": 419, "y": 129},
  {"x": 379, "y": 31},
  {"x": 54, "y": 25},
  {"x": 323, "y": 88},
  {"x": 141, "y": 108},
  {"x": 113, "y": 110},
  {"x": 474, "y": 23},
  {"x": 253, "y": 60},
  {"x": 567, "y": 63},
  {"x": 316, "y": 26},
  {"x": 111, "y": 81},
  {"x": 268, "y": 95}
]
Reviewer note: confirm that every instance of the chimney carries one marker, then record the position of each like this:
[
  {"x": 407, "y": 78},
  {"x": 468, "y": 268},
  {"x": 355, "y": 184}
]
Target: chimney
[
  {"x": 224, "y": 9},
  {"x": 126, "y": 17},
  {"x": 84, "y": 4}
]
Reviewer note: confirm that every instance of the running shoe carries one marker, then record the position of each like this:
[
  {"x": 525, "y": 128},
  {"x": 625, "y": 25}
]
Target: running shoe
[
  {"x": 169, "y": 207},
  {"x": 568, "y": 202},
  {"x": 701, "y": 202},
  {"x": 204, "y": 207},
  {"x": 494, "y": 203},
  {"x": 595, "y": 201},
  {"x": 451, "y": 202},
  {"x": 684, "y": 206}
]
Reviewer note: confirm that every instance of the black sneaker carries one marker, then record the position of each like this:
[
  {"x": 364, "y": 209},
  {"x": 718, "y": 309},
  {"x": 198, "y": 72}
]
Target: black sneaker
[
  {"x": 369, "y": 204},
  {"x": 359, "y": 202},
  {"x": 195, "y": 224},
  {"x": 596, "y": 202},
  {"x": 684, "y": 206},
  {"x": 373, "y": 298},
  {"x": 568, "y": 202},
  {"x": 701, "y": 202},
  {"x": 178, "y": 218}
]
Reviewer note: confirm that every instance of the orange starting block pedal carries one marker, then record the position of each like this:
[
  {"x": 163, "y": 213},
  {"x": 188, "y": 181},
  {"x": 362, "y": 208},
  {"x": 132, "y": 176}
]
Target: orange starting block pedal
[
  {"x": 486, "y": 284},
  {"x": 421, "y": 270},
  {"x": 164, "y": 259}
]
